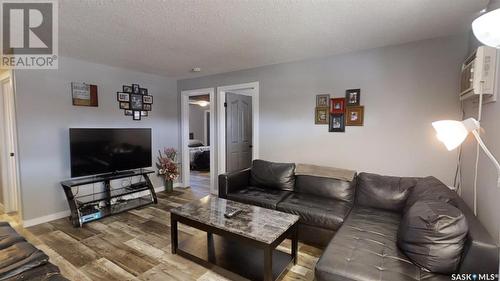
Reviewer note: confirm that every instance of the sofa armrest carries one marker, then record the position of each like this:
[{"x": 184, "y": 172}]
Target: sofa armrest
[{"x": 231, "y": 182}]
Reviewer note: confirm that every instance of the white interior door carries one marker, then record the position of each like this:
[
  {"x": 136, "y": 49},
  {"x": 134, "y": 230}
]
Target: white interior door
[
  {"x": 238, "y": 132},
  {"x": 8, "y": 148}
]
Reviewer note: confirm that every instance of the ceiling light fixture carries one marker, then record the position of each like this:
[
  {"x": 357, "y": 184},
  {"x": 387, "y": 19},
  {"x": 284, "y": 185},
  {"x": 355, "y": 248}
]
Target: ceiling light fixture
[
  {"x": 486, "y": 26},
  {"x": 203, "y": 103}
]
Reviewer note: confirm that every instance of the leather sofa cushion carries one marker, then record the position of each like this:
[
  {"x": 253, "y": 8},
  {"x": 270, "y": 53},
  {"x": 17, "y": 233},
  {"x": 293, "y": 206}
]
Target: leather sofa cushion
[
  {"x": 430, "y": 188},
  {"x": 326, "y": 187},
  {"x": 432, "y": 235},
  {"x": 383, "y": 192},
  {"x": 365, "y": 249},
  {"x": 267, "y": 174},
  {"x": 316, "y": 211},
  {"x": 267, "y": 198},
  {"x": 19, "y": 260}
]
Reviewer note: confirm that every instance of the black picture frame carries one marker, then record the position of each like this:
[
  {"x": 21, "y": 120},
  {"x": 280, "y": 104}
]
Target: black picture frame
[
  {"x": 353, "y": 96},
  {"x": 129, "y": 112},
  {"x": 136, "y": 116},
  {"x": 124, "y": 105},
  {"x": 147, "y": 99},
  {"x": 143, "y": 91},
  {"x": 136, "y": 102},
  {"x": 146, "y": 107},
  {"x": 144, "y": 113},
  {"x": 336, "y": 123},
  {"x": 127, "y": 89},
  {"x": 123, "y": 97},
  {"x": 135, "y": 89}
]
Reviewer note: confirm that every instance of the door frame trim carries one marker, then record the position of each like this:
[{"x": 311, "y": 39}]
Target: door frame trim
[
  {"x": 13, "y": 196},
  {"x": 221, "y": 124},
  {"x": 185, "y": 135},
  {"x": 205, "y": 127}
]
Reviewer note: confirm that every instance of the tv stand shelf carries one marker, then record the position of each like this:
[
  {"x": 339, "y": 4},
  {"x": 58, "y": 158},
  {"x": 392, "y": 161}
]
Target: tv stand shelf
[{"x": 96, "y": 205}]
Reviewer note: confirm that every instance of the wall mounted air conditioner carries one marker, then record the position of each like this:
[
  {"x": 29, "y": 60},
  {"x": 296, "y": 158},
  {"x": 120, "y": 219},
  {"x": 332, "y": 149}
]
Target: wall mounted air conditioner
[{"x": 479, "y": 74}]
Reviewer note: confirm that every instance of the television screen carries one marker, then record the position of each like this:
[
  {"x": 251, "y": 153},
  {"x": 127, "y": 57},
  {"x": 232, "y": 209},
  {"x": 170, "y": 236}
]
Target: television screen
[{"x": 100, "y": 151}]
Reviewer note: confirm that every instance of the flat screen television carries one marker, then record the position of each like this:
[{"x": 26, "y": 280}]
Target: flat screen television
[{"x": 99, "y": 151}]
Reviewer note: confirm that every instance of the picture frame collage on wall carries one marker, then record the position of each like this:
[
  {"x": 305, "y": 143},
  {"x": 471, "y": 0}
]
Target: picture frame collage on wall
[
  {"x": 338, "y": 113},
  {"x": 135, "y": 101}
]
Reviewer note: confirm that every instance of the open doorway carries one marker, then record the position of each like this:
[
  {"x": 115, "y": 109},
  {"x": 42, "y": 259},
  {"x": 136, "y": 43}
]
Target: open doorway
[
  {"x": 9, "y": 180},
  {"x": 198, "y": 140}
]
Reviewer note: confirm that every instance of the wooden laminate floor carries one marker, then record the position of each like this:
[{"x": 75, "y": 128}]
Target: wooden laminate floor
[
  {"x": 199, "y": 181},
  {"x": 135, "y": 245}
]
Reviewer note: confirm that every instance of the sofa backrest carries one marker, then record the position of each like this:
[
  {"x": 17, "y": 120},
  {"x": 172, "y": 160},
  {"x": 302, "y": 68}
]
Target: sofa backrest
[
  {"x": 326, "y": 187},
  {"x": 398, "y": 194},
  {"x": 272, "y": 175},
  {"x": 383, "y": 192},
  {"x": 480, "y": 253}
]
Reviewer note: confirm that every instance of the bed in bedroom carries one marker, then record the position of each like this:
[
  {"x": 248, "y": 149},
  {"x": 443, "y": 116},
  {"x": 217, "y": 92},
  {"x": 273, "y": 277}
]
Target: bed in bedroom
[{"x": 199, "y": 155}]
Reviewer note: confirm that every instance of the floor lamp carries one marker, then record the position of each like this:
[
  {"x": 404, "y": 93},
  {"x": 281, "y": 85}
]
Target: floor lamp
[{"x": 453, "y": 133}]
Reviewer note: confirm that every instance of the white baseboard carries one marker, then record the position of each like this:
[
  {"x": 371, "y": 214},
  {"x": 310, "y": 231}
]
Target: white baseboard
[
  {"x": 63, "y": 214},
  {"x": 47, "y": 218}
]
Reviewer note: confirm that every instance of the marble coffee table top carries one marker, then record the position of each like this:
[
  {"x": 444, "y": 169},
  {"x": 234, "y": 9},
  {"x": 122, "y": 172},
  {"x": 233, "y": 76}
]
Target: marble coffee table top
[{"x": 254, "y": 222}]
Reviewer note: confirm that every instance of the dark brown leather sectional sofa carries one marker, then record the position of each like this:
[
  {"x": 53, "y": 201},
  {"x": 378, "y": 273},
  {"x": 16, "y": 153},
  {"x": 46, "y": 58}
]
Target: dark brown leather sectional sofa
[
  {"x": 19, "y": 260},
  {"x": 358, "y": 221}
]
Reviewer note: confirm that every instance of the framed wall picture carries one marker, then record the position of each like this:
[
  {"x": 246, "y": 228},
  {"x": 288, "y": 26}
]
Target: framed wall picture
[
  {"x": 336, "y": 123},
  {"x": 135, "y": 89},
  {"x": 146, "y": 107},
  {"x": 353, "y": 96},
  {"x": 355, "y": 115},
  {"x": 129, "y": 112},
  {"x": 143, "y": 91},
  {"x": 124, "y": 105},
  {"x": 84, "y": 94},
  {"x": 322, "y": 100},
  {"x": 147, "y": 99},
  {"x": 127, "y": 89},
  {"x": 337, "y": 106},
  {"x": 136, "y": 102},
  {"x": 137, "y": 115},
  {"x": 144, "y": 113},
  {"x": 123, "y": 97},
  {"x": 321, "y": 116}
]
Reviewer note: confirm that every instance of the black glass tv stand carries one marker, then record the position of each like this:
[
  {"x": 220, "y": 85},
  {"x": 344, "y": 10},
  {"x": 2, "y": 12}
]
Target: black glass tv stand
[{"x": 86, "y": 205}]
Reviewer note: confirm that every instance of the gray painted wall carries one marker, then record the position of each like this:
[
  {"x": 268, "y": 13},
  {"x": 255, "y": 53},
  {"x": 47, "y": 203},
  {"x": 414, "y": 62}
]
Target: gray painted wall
[
  {"x": 488, "y": 209},
  {"x": 196, "y": 125},
  {"x": 45, "y": 113},
  {"x": 403, "y": 88}
]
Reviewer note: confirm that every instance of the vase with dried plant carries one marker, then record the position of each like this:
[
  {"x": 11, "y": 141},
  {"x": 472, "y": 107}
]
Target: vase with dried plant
[{"x": 167, "y": 167}]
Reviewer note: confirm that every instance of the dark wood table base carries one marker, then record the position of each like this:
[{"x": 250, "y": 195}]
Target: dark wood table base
[{"x": 244, "y": 256}]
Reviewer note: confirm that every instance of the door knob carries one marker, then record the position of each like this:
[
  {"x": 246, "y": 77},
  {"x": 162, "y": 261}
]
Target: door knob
[{"x": 11, "y": 154}]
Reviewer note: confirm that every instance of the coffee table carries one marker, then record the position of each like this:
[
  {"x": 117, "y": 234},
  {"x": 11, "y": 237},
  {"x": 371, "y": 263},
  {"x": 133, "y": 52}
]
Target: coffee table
[{"x": 244, "y": 244}]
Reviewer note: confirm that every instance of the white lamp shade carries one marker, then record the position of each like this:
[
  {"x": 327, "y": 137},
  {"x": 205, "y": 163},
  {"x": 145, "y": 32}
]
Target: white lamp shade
[
  {"x": 452, "y": 133},
  {"x": 486, "y": 28}
]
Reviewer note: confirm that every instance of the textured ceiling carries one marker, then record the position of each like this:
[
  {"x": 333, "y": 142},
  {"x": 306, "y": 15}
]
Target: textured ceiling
[{"x": 170, "y": 37}]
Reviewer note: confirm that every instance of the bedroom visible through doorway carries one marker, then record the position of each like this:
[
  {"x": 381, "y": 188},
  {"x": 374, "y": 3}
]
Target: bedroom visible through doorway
[{"x": 198, "y": 140}]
